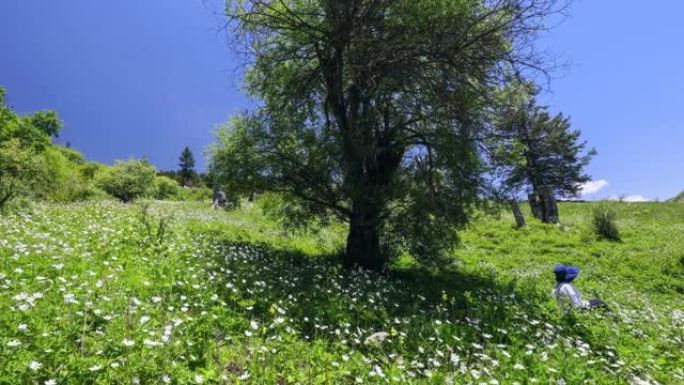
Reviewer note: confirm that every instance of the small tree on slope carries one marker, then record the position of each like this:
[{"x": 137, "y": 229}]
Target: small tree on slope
[{"x": 540, "y": 152}]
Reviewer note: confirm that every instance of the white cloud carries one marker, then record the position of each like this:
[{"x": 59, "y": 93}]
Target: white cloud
[
  {"x": 629, "y": 198},
  {"x": 635, "y": 198},
  {"x": 593, "y": 186}
]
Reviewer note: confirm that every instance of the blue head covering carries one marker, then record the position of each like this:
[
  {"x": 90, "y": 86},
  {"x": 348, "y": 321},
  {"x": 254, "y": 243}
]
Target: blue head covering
[{"x": 566, "y": 273}]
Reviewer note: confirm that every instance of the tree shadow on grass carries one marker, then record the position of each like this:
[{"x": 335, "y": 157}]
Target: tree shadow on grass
[{"x": 418, "y": 308}]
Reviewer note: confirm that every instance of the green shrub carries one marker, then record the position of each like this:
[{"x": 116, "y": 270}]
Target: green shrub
[
  {"x": 195, "y": 194},
  {"x": 31, "y": 167},
  {"x": 62, "y": 180},
  {"x": 603, "y": 222},
  {"x": 167, "y": 188},
  {"x": 89, "y": 170},
  {"x": 72, "y": 155},
  {"x": 128, "y": 180},
  {"x": 285, "y": 210},
  {"x": 20, "y": 169}
]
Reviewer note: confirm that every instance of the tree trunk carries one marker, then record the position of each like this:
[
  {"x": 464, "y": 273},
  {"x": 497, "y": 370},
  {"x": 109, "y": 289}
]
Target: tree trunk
[
  {"x": 543, "y": 205},
  {"x": 517, "y": 213},
  {"x": 535, "y": 205},
  {"x": 549, "y": 205},
  {"x": 363, "y": 241}
]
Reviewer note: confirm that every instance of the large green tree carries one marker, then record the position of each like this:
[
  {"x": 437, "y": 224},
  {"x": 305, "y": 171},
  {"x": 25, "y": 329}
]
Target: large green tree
[{"x": 373, "y": 110}]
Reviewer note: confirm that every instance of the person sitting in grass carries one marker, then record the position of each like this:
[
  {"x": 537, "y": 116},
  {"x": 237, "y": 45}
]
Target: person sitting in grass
[{"x": 565, "y": 293}]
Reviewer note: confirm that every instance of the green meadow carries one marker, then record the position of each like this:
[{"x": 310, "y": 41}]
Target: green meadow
[{"x": 176, "y": 293}]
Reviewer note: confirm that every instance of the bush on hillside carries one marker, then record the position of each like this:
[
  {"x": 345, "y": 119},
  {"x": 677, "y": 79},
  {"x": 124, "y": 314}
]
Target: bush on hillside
[
  {"x": 287, "y": 212},
  {"x": 88, "y": 170},
  {"x": 72, "y": 155},
  {"x": 20, "y": 169},
  {"x": 194, "y": 194},
  {"x": 604, "y": 226},
  {"x": 63, "y": 180},
  {"x": 128, "y": 180},
  {"x": 167, "y": 188}
]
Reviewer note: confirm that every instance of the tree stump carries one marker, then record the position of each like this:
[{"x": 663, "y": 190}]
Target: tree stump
[{"x": 220, "y": 201}]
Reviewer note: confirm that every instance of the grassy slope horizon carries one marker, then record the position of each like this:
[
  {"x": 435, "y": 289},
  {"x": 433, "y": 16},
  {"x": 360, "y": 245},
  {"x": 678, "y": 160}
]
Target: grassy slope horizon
[{"x": 89, "y": 296}]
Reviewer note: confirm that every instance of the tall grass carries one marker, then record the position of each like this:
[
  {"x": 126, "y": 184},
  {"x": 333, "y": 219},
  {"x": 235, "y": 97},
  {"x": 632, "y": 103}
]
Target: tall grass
[{"x": 604, "y": 224}]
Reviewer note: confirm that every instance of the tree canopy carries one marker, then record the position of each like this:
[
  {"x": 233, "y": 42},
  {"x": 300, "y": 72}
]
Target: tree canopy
[
  {"x": 25, "y": 142},
  {"x": 538, "y": 149},
  {"x": 374, "y": 111},
  {"x": 33, "y": 130}
]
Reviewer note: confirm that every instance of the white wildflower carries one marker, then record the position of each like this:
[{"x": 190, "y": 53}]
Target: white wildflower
[
  {"x": 377, "y": 371},
  {"x": 151, "y": 343},
  {"x": 454, "y": 359},
  {"x": 34, "y": 365},
  {"x": 70, "y": 298}
]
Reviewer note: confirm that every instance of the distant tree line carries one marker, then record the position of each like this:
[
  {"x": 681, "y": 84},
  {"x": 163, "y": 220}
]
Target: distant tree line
[
  {"x": 186, "y": 175},
  {"x": 32, "y": 167}
]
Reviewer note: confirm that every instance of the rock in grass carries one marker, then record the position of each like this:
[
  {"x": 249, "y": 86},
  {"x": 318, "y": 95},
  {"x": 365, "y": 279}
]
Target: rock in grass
[{"x": 376, "y": 338}]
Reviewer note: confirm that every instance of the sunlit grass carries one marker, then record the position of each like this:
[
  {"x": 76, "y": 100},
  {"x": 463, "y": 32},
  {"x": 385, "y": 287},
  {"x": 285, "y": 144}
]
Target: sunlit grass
[{"x": 87, "y": 297}]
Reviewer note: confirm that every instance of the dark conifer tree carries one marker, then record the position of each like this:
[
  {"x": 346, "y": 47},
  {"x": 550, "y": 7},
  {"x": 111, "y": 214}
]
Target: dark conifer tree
[
  {"x": 187, "y": 166},
  {"x": 540, "y": 152}
]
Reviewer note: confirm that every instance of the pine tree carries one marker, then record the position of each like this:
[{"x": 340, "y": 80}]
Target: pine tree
[
  {"x": 187, "y": 166},
  {"x": 541, "y": 153}
]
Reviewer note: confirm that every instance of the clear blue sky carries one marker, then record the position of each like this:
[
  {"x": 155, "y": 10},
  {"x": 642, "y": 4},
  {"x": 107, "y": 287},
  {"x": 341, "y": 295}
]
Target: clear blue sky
[{"x": 147, "y": 77}]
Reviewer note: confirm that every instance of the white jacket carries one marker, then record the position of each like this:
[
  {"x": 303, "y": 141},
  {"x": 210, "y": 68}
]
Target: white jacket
[{"x": 566, "y": 294}]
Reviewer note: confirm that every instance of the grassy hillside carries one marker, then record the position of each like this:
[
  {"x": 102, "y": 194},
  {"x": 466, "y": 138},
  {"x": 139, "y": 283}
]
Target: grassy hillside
[
  {"x": 679, "y": 198},
  {"x": 97, "y": 293}
]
